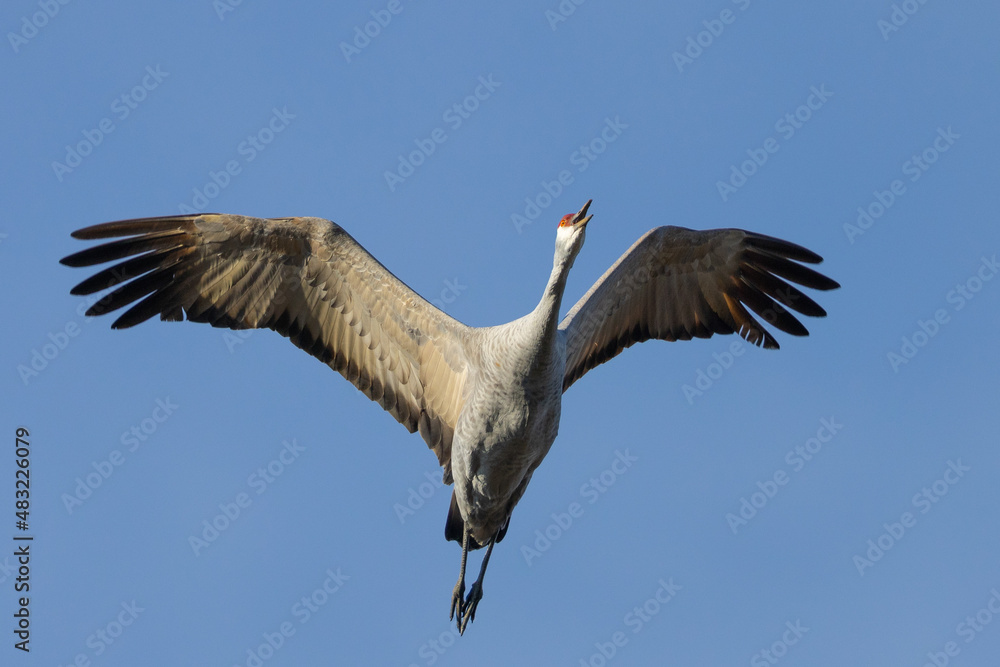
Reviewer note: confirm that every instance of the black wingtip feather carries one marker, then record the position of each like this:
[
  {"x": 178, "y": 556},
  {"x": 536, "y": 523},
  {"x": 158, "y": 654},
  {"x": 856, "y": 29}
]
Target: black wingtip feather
[
  {"x": 123, "y": 271},
  {"x": 135, "y": 226},
  {"x": 129, "y": 292},
  {"x": 780, "y": 291},
  {"x": 785, "y": 248},
  {"x": 772, "y": 312},
  {"x": 789, "y": 270},
  {"x": 122, "y": 248}
]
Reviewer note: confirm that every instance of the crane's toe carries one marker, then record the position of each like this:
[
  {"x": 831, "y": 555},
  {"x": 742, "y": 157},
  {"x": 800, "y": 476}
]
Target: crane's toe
[
  {"x": 469, "y": 607},
  {"x": 457, "y": 603}
]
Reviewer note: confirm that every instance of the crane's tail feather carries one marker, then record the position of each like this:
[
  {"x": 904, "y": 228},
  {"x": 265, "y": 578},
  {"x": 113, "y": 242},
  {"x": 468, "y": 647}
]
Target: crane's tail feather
[{"x": 454, "y": 527}]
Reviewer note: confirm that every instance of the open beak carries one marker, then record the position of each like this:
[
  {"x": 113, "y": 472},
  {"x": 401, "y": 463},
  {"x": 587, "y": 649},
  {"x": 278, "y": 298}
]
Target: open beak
[{"x": 581, "y": 218}]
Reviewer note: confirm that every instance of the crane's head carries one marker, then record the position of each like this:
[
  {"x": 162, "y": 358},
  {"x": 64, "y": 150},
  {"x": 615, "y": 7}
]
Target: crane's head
[{"x": 571, "y": 232}]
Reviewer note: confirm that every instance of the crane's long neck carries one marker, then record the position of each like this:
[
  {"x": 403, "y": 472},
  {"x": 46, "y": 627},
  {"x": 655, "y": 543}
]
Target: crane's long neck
[{"x": 546, "y": 313}]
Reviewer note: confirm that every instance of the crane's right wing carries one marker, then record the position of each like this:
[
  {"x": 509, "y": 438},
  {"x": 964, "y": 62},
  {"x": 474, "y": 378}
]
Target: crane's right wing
[
  {"x": 676, "y": 283},
  {"x": 305, "y": 278}
]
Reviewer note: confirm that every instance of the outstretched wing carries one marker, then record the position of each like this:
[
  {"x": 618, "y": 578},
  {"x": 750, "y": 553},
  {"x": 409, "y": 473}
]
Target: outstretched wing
[
  {"x": 676, "y": 283},
  {"x": 305, "y": 278}
]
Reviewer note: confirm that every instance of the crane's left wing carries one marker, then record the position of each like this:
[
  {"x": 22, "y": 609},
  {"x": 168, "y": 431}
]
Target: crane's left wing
[
  {"x": 676, "y": 283},
  {"x": 305, "y": 278}
]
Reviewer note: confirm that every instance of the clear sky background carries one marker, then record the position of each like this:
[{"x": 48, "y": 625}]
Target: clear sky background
[{"x": 328, "y": 128}]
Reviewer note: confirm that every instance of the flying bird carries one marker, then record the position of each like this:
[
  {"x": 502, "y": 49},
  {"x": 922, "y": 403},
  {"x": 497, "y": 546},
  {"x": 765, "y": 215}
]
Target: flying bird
[{"x": 486, "y": 400}]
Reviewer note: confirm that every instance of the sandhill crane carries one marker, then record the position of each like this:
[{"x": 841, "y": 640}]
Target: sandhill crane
[{"x": 486, "y": 400}]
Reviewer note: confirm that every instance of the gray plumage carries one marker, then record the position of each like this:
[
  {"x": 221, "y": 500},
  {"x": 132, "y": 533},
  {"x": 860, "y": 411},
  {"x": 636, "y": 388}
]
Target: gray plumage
[{"x": 485, "y": 400}]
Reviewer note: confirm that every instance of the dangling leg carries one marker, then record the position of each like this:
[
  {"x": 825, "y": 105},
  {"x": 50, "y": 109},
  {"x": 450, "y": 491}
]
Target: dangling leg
[
  {"x": 457, "y": 595},
  {"x": 476, "y": 592}
]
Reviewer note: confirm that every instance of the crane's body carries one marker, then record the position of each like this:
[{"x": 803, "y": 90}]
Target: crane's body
[
  {"x": 505, "y": 430},
  {"x": 486, "y": 400},
  {"x": 512, "y": 415}
]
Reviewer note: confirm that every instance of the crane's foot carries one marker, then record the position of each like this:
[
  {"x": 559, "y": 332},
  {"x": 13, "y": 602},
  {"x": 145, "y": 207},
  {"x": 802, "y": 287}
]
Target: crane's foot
[
  {"x": 458, "y": 603},
  {"x": 476, "y": 592},
  {"x": 468, "y": 612}
]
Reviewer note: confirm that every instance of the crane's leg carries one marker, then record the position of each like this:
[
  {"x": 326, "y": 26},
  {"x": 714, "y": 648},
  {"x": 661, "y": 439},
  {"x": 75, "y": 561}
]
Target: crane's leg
[
  {"x": 476, "y": 592},
  {"x": 457, "y": 595}
]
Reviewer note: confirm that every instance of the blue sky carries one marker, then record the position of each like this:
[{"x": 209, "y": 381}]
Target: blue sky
[{"x": 865, "y": 131}]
